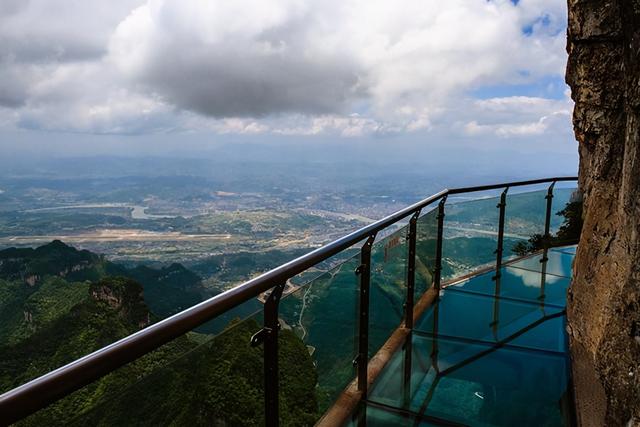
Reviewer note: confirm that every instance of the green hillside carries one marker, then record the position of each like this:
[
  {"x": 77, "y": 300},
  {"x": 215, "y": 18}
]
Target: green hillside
[{"x": 197, "y": 379}]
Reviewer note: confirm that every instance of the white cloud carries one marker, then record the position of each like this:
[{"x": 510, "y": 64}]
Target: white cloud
[
  {"x": 348, "y": 68},
  {"x": 519, "y": 116}
]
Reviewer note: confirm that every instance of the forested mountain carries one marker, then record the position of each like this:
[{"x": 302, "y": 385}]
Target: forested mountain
[{"x": 58, "y": 304}]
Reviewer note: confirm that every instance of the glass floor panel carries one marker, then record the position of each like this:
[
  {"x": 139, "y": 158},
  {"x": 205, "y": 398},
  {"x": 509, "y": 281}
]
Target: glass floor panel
[
  {"x": 474, "y": 359},
  {"x": 558, "y": 264},
  {"x": 518, "y": 283},
  {"x": 475, "y": 384},
  {"x": 380, "y": 416},
  {"x": 566, "y": 249},
  {"x": 488, "y": 319}
]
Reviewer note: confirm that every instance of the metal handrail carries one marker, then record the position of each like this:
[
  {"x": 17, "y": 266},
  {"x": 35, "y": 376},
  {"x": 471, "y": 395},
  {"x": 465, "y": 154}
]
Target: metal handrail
[{"x": 42, "y": 391}]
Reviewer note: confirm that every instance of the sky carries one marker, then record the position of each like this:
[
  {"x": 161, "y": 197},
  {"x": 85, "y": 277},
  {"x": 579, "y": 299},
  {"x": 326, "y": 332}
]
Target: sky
[{"x": 449, "y": 78}]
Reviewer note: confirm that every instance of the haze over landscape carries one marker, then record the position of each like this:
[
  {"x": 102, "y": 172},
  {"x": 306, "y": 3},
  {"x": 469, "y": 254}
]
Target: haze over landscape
[
  {"x": 169, "y": 131},
  {"x": 366, "y": 106}
]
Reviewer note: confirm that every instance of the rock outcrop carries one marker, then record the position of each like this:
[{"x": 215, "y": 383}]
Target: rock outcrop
[{"x": 604, "y": 301}]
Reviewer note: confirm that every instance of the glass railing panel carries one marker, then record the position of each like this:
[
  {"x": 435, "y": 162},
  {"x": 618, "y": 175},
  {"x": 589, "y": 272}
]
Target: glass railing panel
[
  {"x": 470, "y": 236},
  {"x": 562, "y": 195},
  {"x": 426, "y": 241},
  {"x": 566, "y": 215},
  {"x": 403, "y": 375},
  {"x": 196, "y": 379},
  {"x": 322, "y": 313},
  {"x": 488, "y": 319},
  {"x": 64, "y": 321},
  {"x": 525, "y": 215},
  {"x": 388, "y": 288},
  {"x": 57, "y": 321}
]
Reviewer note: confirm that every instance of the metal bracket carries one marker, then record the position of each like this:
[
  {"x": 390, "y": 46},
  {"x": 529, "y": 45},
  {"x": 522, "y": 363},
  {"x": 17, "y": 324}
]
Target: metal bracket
[
  {"x": 412, "y": 231},
  {"x": 500, "y": 244},
  {"x": 356, "y": 361},
  {"x": 441, "y": 208},
  {"x": 437, "y": 269},
  {"x": 550, "y": 191},
  {"x": 547, "y": 220},
  {"x": 370, "y": 240},
  {"x": 259, "y": 337},
  {"x": 366, "y": 247}
]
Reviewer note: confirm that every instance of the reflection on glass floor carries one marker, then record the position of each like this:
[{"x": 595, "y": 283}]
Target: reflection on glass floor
[{"x": 491, "y": 352}]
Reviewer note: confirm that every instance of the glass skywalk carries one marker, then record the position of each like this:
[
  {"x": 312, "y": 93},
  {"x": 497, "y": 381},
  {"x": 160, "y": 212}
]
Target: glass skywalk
[
  {"x": 435, "y": 303},
  {"x": 489, "y": 352}
]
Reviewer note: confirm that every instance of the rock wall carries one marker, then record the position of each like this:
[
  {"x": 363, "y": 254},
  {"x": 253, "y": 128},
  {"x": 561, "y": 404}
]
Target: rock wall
[{"x": 604, "y": 301}]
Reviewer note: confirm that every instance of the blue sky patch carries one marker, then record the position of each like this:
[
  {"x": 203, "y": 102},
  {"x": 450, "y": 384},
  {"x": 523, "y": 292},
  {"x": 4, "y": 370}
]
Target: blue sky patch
[{"x": 551, "y": 87}]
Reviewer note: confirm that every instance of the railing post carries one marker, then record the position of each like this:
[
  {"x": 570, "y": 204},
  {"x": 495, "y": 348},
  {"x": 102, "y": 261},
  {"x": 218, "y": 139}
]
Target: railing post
[
  {"x": 546, "y": 240},
  {"x": 438, "y": 267},
  {"x": 408, "y": 362},
  {"x": 408, "y": 321},
  {"x": 547, "y": 221},
  {"x": 436, "y": 284},
  {"x": 364, "y": 273},
  {"x": 411, "y": 270},
  {"x": 269, "y": 336},
  {"x": 434, "y": 333},
  {"x": 502, "y": 205},
  {"x": 500, "y": 246}
]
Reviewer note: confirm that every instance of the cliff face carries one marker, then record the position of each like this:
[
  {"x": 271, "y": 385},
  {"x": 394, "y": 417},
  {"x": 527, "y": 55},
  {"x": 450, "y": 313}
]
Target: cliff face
[{"x": 604, "y": 301}]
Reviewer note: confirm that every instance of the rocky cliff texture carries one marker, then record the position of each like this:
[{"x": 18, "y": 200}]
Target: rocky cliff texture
[{"x": 604, "y": 302}]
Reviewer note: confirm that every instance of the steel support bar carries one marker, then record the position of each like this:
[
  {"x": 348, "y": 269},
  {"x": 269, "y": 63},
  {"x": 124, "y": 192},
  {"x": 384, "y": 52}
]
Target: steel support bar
[
  {"x": 408, "y": 365},
  {"x": 434, "y": 340},
  {"x": 411, "y": 271},
  {"x": 364, "y": 274},
  {"x": 500, "y": 246},
  {"x": 438, "y": 267},
  {"x": 410, "y": 302},
  {"x": 546, "y": 241},
  {"x": 271, "y": 375},
  {"x": 547, "y": 222},
  {"x": 361, "y": 414},
  {"x": 436, "y": 282}
]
